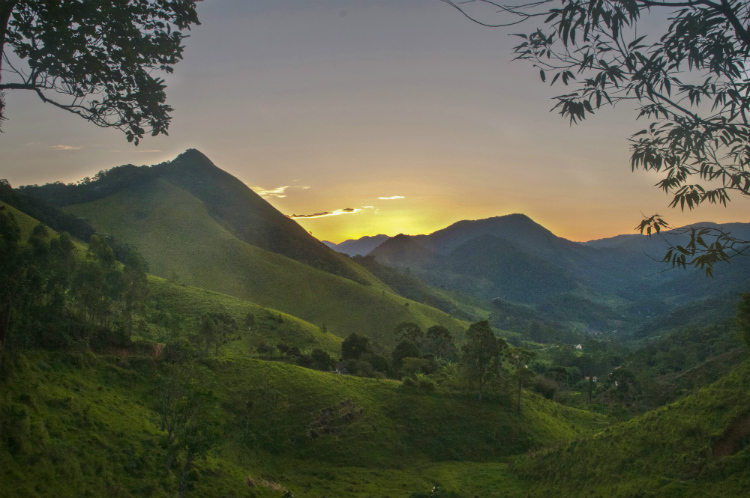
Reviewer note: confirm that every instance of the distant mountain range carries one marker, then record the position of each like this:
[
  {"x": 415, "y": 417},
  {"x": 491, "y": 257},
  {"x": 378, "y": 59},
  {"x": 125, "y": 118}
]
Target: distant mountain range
[
  {"x": 358, "y": 247},
  {"x": 618, "y": 281}
]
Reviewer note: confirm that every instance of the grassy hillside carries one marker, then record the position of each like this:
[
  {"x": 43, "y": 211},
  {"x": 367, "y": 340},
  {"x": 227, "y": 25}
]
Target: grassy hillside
[
  {"x": 227, "y": 199},
  {"x": 86, "y": 425},
  {"x": 270, "y": 325},
  {"x": 25, "y": 222},
  {"x": 183, "y": 243},
  {"x": 698, "y": 446}
]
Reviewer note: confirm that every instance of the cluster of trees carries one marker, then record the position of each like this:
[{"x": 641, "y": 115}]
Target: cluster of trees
[
  {"x": 424, "y": 358},
  {"x": 49, "y": 297}
]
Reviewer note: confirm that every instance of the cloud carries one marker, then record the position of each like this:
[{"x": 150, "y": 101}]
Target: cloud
[
  {"x": 391, "y": 198},
  {"x": 149, "y": 150},
  {"x": 65, "y": 147},
  {"x": 278, "y": 192},
  {"x": 326, "y": 213}
]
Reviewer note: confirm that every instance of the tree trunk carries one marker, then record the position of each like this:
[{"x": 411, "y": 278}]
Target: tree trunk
[
  {"x": 520, "y": 384},
  {"x": 185, "y": 471},
  {"x": 5, "y": 312}
]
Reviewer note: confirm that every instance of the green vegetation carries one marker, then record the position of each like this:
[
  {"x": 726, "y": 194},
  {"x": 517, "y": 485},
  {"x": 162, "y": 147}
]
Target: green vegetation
[
  {"x": 114, "y": 382},
  {"x": 698, "y": 446},
  {"x": 183, "y": 243},
  {"x": 118, "y": 47}
]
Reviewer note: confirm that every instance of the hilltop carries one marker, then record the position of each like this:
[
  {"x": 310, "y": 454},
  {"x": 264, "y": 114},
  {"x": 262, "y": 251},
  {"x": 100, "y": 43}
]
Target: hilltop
[{"x": 197, "y": 225}]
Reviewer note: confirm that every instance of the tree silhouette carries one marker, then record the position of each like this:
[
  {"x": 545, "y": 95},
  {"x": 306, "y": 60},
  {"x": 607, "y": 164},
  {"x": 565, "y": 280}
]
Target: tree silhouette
[
  {"x": 96, "y": 58},
  {"x": 690, "y": 81}
]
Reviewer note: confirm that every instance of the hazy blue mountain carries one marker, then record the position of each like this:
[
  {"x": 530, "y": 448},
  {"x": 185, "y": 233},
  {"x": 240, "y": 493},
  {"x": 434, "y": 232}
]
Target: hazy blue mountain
[
  {"x": 358, "y": 247},
  {"x": 616, "y": 282},
  {"x": 403, "y": 251}
]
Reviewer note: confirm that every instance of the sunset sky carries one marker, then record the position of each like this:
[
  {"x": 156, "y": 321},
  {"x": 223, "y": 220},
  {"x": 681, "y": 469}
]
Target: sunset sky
[{"x": 391, "y": 116}]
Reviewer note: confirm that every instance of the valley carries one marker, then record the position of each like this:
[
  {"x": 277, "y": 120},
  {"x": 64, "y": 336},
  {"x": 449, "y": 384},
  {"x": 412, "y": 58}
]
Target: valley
[{"x": 188, "y": 339}]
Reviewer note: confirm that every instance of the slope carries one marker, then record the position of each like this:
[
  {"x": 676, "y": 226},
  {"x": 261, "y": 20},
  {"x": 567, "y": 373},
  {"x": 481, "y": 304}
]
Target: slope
[
  {"x": 87, "y": 425},
  {"x": 182, "y": 242},
  {"x": 698, "y": 446},
  {"x": 229, "y": 201}
]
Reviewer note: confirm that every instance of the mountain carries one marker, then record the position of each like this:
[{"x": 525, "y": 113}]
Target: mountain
[
  {"x": 656, "y": 244},
  {"x": 358, "y": 247},
  {"x": 403, "y": 251},
  {"x": 228, "y": 200},
  {"x": 604, "y": 284},
  {"x": 516, "y": 228},
  {"x": 199, "y": 226}
]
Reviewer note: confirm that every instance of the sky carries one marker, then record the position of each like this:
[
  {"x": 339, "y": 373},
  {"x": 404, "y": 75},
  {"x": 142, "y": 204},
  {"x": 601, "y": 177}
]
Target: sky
[{"x": 362, "y": 117}]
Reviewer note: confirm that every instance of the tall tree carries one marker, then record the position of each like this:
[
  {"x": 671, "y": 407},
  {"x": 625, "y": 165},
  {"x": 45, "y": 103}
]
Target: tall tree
[
  {"x": 481, "y": 355},
  {"x": 519, "y": 357},
  {"x": 96, "y": 58},
  {"x": 11, "y": 272},
  {"x": 743, "y": 318},
  {"x": 408, "y": 330},
  {"x": 690, "y": 81},
  {"x": 135, "y": 287}
]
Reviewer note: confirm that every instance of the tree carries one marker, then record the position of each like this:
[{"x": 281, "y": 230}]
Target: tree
[
  {"x": 404, "y": 349},
  {"x": 354, "y": 346},
  {"x": 11, "y": 271},
  {"x": 690, "y": 82},
  {"x": 96, "y": 58},
  {"x": 135, "y": 287},
  {"x": 439, "y": 342},
  {"x": 743, "y": 318},
  {"x": 97, "y": 283},
  {"x": 481, "y": 355},
  {"x": 408, "y": 330},
  {"x": 519, "y": 357}
]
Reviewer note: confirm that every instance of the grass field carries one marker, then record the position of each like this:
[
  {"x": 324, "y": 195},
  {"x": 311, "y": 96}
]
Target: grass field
[
  {"x": 86, "y": 425},
  {"x": 182, "y": 243},
  {"x": 698, "y": 446}
]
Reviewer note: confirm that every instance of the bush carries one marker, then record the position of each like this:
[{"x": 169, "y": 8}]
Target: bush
[
  {"x": 427, "y": 385},
  {"x": 544, "y": 386}
]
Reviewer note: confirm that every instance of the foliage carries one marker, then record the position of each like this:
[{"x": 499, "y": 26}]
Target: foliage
[
  {"x": 96, "y": 59},
  {"x": 743, "y": 318},
  {"x": 481, "y": 355},
  {"x": 156, "y": 217},
  {"x": 439, "y": 343},
  {"x": 404, "y": 349},
  {"x": 518, "y": 358},
  {"x": 354, "y": 346},
  {"x": 690, "y": 81},
  {"x": 408, "y": 330}
]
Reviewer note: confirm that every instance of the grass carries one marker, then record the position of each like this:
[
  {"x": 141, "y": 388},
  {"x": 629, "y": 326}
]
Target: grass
[
  {"x": 670, "y": 451},
  {"x": 192, "y": 302},
  {"x": 184, "y": 244},
  {"x": 87, "y": 425}
]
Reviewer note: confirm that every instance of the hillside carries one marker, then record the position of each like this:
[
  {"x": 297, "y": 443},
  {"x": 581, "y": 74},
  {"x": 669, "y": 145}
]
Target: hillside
[
  {"x": 182, "y": 242},
  {"x": 611, "y": 284},
  {"x": 88, "y": 425},
  {"x": 227, "y": 200},
  {"x": 698, "y": 446}
]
